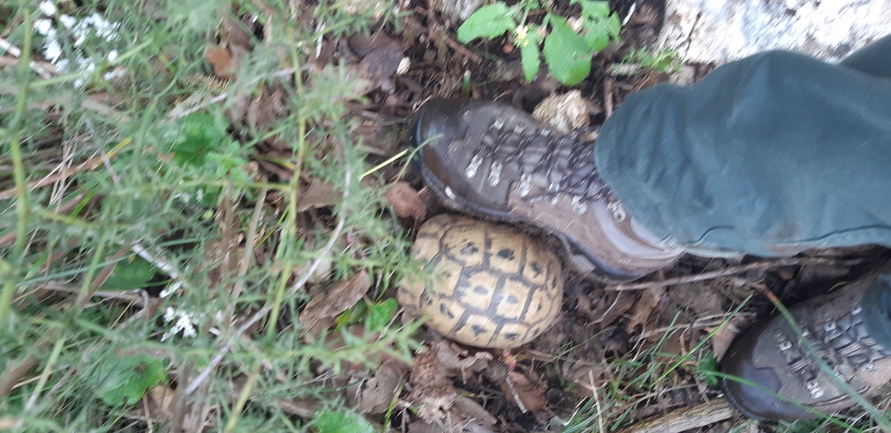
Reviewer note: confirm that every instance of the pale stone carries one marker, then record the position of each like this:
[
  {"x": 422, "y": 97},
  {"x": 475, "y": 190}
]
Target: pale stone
[
  {"x": 564, "y": 112},
  {"x": 724, "y": 30}
]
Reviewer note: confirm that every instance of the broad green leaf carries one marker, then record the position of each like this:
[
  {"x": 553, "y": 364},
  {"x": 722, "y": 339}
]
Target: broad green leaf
[
  {"x": 530, "y": 59},
  {"x": 567, "y": 53},
  {"x": 194, "y": 136},
  {"x": 530, "y": 56},
  {"x": 707, "y": 367},
  {"x": 125, "y": 379},
  {"x": 598, "y": 23},
  {"x": 598, "y": 33},
  {"x": 593, "y": 8},
  {"x": 331, "y": 421},
  {"x": 380, "y": 314},
  {"x": 487, "y": 22},
  {"x": 130, "y": 274}
]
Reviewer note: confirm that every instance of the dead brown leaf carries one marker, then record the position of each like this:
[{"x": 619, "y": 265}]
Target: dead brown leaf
[
  {"x": 380, "y": 390},
  {"x": 643, "y": 309},
  {"x": 474, "y": 410},
  {"x": 700, "y": 298},
  {"x": 221, "y": 60},
  {"x": 318, "y": 194},
  {"x": 268, "y": 107},
  {"x": 406, "y": 201},
  {"x": 362, "y": 44},
  {"x": 337, "y": 299},
  {"x": 721, "y": 340},
  {"x": 588, "y": 377},
  {"x": 433, "y": 392},
  {"x": 530, "y": 393}
]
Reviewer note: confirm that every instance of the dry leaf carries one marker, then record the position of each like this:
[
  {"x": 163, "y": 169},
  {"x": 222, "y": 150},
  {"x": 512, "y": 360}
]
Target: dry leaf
[
  {"x": 451, "y": 357},
  {"x": 643, "y": 309},
  {"x": 268, "y": 107},
  {"x": 318, "y": 194},
  {"x": 161, "y": 397},
  {"x": 475, "y": 411},
  {"x": 530, "y": 393},
  {"x": 380, "y": 63},
  {"x": 722, "y": 339},
  {"x": 433, "y": 392},
  {"x": 702, "y": 299},
  {"x": 221, "y": 60},
  {"x": 406, "y": 201},
  {"x": 380, "y": 390},
  {"x": 337, "y": 299},
  {"x": 587, "y": 377}
]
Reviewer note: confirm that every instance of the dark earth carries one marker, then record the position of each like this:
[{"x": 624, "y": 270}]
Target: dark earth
[{"x": 646, "y": 352}]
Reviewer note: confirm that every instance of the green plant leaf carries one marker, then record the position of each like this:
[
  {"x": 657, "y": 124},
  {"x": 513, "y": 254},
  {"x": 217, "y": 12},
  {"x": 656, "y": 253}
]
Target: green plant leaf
[
  {"x": 130, "y": 274},
  {"x": 600, "y": 32},
  {"x": 598, "y": 23},
  {"x": 706, "y": 369},
  {"x": 194, "y": 136},
  {"x": 566, "y": 52},
  {"x": 487, "y": 22},
  {"x": 528, "y": 39},
  {"x": 380, "y": 314},
  {"x": 125, "y": 379},
  {"x": 331, "y": 421},
  {"x": 530, "y": 59}
]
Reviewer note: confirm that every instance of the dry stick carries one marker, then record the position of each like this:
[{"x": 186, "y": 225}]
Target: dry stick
[
  {"x": 731, "y": 271},
  {"x": 687, "y": 418},
  {"x": 215, "y": 361},
  {"x": 513, "y": 391},
  {"x": 45, "y": 70},
  {"x": 595, "y": 391},
  {"x": 89, "y": 164},
  {"x": 248, "y": 253}
]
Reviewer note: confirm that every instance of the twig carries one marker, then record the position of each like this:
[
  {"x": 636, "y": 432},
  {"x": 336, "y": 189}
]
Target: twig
[
  {"x": 179, "y": 110},
  {"x": 794, "y": 261},
  {"x": 46, "y": 72},
  {"x": 335, "y": 234},
  {"x": 513, "y": 391},
  {"x": 594, "y": 391},
  {"x": 687, "y": 418},
  {"x": 248, "y": 254},
  {"x": 138, "y": 296},
  {"x": 607, "y": 97}
]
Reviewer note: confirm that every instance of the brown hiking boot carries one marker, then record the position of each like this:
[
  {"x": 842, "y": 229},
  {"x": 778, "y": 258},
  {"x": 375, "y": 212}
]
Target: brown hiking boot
[
  {"x": 772, "y": 356},
  {"x": 491, "y": 160}
]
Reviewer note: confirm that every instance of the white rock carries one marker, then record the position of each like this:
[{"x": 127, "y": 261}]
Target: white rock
[
  {"x": 458, "y": 10},
  {"x": 563, "y": 112},
  {"x": 724, "y": 30}
]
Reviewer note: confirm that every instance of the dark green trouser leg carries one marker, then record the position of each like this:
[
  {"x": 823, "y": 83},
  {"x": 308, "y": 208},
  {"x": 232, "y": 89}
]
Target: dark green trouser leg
[{"x": 768, "y": 155}]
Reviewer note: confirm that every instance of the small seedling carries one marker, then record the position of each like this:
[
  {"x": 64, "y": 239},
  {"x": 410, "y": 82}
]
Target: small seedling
[
  {"x": 569, "y": 46},
  {"x": 662, "y": 61}
]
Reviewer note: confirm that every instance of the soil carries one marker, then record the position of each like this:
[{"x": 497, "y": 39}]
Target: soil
[
  {"x": 605, "y": 340},
  {"x": 613, "y": 356}
]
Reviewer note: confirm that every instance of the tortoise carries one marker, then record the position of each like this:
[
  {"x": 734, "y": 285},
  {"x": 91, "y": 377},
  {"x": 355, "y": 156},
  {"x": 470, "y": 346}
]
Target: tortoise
[{"x": 494, "y": 286}]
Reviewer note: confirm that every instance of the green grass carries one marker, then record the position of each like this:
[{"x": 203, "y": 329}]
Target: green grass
[
  {"x": 158, "y": 187},
  {"x": 174, "y": 203}
]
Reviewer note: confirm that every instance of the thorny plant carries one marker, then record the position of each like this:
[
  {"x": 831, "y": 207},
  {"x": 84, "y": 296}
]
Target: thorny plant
[{"x": 122, "y": 175}]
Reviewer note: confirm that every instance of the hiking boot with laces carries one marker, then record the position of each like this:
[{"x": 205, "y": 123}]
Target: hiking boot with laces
[
  {"x": 494, "y": 161},
  {"x": 772, "y": 356}
]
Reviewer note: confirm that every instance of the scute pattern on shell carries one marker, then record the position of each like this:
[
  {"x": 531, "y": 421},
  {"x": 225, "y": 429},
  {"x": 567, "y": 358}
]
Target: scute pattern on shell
[{"x": 500, "y": 287}]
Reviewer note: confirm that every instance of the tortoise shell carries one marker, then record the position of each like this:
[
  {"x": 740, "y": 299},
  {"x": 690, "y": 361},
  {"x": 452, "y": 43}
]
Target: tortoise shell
[{"x": 493, "y": 285}]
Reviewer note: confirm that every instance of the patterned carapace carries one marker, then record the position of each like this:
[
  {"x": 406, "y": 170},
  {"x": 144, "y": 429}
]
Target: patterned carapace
[{"x": 494, "y": 285}]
